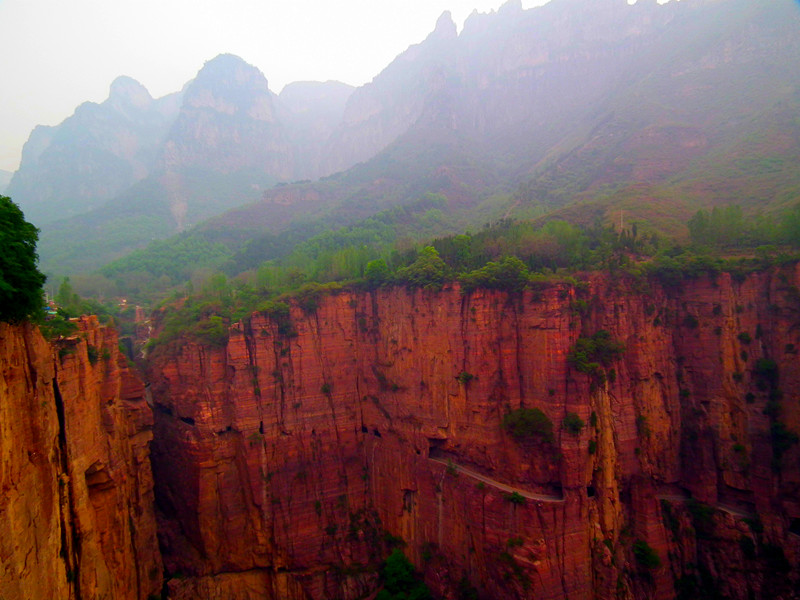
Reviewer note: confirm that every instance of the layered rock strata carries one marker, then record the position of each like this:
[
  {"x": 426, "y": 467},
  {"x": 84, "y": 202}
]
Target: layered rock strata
[
  {"x": 288, "y": 459},
  {"x": 76, "y": 508}
]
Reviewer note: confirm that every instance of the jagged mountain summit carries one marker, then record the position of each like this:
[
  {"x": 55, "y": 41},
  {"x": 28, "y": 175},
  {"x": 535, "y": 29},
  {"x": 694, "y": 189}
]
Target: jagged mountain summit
[
  {"x": 94, "y": 155},
  {"x": 521, "y": 110},
  {"x": 226, "y": 122},
  {"x": 527, "y": 110}
]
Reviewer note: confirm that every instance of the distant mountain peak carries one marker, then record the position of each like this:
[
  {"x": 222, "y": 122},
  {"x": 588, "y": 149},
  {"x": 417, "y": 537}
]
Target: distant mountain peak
[
  {"x": 445, "y": 27},
  {"x": 126, "y": 90},
  {"x": 223, "y": 66},
  {"x": 512, "y": 6},
  {"x": 229, "y": 84}
]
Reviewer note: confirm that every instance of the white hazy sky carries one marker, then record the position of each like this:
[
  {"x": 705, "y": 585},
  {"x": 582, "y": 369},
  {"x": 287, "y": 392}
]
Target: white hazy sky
[{"x": 59, "y": 53}]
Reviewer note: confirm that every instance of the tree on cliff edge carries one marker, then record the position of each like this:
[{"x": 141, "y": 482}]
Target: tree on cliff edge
[{"x": 20, "y": 279}]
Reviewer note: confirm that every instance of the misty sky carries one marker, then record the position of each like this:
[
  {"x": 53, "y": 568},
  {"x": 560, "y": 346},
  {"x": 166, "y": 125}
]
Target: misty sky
[{"x": 59, "y": 53}]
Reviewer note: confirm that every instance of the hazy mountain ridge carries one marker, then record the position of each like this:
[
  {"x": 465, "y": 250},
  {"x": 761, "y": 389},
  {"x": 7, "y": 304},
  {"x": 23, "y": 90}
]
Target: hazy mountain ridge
[
  {"x": 94, "y": 155},
  {"x": 543, "y": 98},
  {"x": 224, "y": 121},
  {"x": 569, "y": 101},
  {"x": 714, "y": 122},
  {"x": 5, "y": 179}
]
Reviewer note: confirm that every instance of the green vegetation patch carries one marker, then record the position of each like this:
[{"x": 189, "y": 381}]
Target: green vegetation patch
[
  {"x": 573, "y": 423},
  {"x": 20, "y": 280},
  {"x": 591, "y": 355},
  {"x": 645, "y": 556},
  {"x": 526, "y": 424},
  {"x": 400, "y": 580}
]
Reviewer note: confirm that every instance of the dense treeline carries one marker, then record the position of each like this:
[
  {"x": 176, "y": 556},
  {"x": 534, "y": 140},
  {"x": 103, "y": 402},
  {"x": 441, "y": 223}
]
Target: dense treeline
[
  {"x": 508, "y": 255},
  {"x": 278, "y": 263},
  {"x": 729, "y": 227},
  {"x": 303, "y": 252}
]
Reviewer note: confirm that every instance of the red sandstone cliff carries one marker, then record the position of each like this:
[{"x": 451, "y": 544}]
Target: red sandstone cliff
[
  {"x": 76, "y": 508},
  {"x": 281, "y": 460}
]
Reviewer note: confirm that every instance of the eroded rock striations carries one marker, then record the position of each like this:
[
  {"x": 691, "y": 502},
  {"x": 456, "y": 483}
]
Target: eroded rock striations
[
  {"x": 76, "y": 500},
  {"x": 286, "y": 460}
]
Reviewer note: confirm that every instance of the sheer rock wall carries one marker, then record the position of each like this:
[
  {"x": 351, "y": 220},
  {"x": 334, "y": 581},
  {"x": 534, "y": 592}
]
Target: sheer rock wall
[
  {"x": 76, "y": 508},
  {"x": 284, "y": 458}
]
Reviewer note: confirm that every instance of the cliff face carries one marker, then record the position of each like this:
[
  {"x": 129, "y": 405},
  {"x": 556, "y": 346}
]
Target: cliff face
[
  {"x": 76, "y": 508},
  {"x": 283, "y": 459}
]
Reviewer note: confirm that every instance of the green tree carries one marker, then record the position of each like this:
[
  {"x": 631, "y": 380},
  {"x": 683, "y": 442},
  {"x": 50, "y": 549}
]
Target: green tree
[
  {"x": 509, "y": 274},
  {"x": 67, "y": 300},
  {"x": 20, "y": 280},
  {"x": 429, "y": 270},
  {"x": 400, "y": 580},
  {"x": 377, "y": 272}
]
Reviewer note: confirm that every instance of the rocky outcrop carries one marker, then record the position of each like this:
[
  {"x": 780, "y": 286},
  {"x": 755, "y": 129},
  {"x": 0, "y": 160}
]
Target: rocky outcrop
[
  {"x": 76, "y": 508},
  {"x": 295, "y": 453},
  {"x": 94, "y": 155},
  {"x": 227, "y": 122}
]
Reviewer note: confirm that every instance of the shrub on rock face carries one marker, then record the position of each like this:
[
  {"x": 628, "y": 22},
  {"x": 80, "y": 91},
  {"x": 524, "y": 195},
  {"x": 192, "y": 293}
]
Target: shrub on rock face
[
  {"x": 573, "y": 423},
  {"x": 400, "y": 580},
  {"x": 645, "y": 556},
  {"x": 590, "y": 355},
  {"x": 528, "y": 424}
]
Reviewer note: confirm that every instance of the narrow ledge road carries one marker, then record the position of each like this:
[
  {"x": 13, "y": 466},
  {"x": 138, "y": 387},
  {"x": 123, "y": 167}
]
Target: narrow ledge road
[
  {"x": 726, "y": 508},
  {"x": 497, "y": 484}
]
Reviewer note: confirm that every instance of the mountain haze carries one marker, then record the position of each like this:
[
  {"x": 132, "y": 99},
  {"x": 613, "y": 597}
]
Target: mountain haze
[
  {"x": 94, "y": 155},
  {"x": 5, "y": 178},
  {"x": 530, "y": 110},
  {"x": 522, "y": 112}
]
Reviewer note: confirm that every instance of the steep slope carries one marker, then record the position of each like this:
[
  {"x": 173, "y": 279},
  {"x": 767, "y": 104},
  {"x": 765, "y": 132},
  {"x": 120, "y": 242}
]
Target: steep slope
[
  {"x": 230, "y": 140},
  {"x": 76, "y": 509},
  {"x": 92, "y": 156},
  {"x": 283, "y": 457},
  {"x": 712, "y": 121},
  {"x": 524, "y": 110},
  {"x": 657, "y": 110},
  {"x": 312, "y": 111},
  {"x": 384, "y": 109}
]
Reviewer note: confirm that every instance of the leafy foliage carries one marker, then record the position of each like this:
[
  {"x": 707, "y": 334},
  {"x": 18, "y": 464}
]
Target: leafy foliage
[
  {"x": 590, "y": 355},
  {"x": 728, "y": 227},
  {"x": 528, "y": 423},
  {"x": 20, "y": 280},
  {"x": 58, "y": 326},
  {"x": 377, "y": 273},
  {"x": 464, "y": 377},
  {"x": 515, "y": 498},
  {"x": 400, "y": 580},
  {"x": 573, "y": 423},
  {"x": 510, "y": 274},
  {"x": 428, "y": 271},
  {"x": 645, "y": 556}
]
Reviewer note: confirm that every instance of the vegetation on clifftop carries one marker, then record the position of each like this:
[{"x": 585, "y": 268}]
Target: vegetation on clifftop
[{"x": 508, "y": 256}]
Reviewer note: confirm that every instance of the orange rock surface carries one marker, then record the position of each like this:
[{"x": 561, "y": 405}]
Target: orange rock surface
[
  {"x": 290, "y": 456},
  {"x": 76, "y": 508}
]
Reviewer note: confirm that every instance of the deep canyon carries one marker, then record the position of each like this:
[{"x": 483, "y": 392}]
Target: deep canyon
[{"x": 288, "y": 460}]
